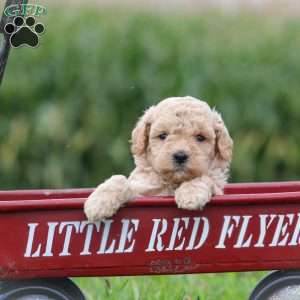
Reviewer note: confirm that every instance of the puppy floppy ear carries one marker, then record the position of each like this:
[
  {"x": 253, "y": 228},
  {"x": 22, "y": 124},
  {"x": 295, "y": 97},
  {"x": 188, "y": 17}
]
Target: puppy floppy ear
[
  {"x": 224, "y": 143},
  {"x": 140, "y": 134}
]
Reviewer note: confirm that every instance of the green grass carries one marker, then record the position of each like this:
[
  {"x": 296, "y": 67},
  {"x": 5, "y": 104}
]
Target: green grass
[{"x": 227, "y": 286}]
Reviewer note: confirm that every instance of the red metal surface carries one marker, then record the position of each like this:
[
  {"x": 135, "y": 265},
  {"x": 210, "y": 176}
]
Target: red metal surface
[
  {"x": 252, "y": 227},
  {"x": 233, "y": 188}
]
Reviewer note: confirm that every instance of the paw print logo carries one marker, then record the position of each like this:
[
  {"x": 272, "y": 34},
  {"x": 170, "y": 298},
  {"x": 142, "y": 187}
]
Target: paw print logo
[{"x": 24, "y": 31}]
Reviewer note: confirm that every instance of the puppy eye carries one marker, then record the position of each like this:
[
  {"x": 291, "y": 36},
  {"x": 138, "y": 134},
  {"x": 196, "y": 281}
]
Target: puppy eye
[
  {"x": 163, "y": 136},
  {"x": 200, "y": 138}
]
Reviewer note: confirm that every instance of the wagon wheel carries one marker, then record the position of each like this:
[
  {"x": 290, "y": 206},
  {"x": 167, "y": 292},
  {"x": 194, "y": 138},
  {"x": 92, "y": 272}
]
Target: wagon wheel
[
  {"x": 40, "y": 289},
  {"x": 279, "y": 285}
]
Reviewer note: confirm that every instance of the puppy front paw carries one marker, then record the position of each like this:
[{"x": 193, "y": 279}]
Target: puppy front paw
[
  {"x": 106, "y": 199},
  {"x": 192, "y": 195}
]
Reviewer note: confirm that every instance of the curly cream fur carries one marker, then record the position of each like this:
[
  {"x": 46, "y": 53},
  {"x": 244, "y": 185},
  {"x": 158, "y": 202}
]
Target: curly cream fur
[{"x": 203, "y": 175}]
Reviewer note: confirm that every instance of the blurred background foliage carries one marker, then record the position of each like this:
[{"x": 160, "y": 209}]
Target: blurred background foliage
[{"x": 68, "y": 107}]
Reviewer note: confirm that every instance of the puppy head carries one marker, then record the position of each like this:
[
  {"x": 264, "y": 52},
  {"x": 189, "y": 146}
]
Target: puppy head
[{"x": 181, "y": 138}]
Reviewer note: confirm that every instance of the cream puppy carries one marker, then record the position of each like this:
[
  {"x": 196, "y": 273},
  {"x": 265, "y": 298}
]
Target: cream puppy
[{"x": 181, "y": 147}]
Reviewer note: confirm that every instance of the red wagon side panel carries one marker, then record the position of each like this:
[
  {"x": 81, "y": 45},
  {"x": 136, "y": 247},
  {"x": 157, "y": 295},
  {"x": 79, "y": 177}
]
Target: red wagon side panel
[{"x": 236, "y": 232}]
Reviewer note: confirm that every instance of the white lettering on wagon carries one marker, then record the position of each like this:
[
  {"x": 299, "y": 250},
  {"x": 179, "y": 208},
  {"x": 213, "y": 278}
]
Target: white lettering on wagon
[
  {"x": 236, "y": 227},
  {"x": 83, "y": 238},
  {"x": 49, "y": 243},
  {"x": 264, "y": 226},
  {"x": 50, "y": 237},
  {"x": 126, "y": 236},
  {"x": 28, "y": 251},
  {"x": 227, "y": 229},
  {"x": 178, "y": 238},
  {"x": 89, "y": 233},
  {"x": 242, "y": 241},
  {"x": 281, "y": 230},
  {"x": 296, "y": 235},
  {"x": 155, "y": 243},
  {"x": 69, "y": 229}
]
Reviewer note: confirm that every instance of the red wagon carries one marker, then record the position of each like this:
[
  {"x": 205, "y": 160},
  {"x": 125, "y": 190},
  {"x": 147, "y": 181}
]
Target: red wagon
[{"x": 44, "y": 234}]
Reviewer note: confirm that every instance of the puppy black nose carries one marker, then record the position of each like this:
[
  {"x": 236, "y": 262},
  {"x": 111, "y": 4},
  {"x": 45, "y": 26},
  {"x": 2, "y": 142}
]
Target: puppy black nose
[{"x": 180, "y": 157}]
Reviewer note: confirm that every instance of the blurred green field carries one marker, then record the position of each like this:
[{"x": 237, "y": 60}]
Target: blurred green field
[
  {"x": 229, "y": 286},
  {"x": 68, "y": 107}
]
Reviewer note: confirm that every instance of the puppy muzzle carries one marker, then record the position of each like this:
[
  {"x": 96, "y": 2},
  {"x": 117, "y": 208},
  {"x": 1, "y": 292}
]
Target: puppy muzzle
[{"x": 180, "y": 159}]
